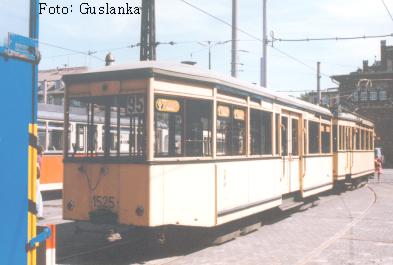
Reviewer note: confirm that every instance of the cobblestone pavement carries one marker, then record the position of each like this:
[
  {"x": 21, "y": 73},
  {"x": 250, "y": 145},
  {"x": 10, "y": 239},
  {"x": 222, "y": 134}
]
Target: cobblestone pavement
[{"x": 355, "y": 227}]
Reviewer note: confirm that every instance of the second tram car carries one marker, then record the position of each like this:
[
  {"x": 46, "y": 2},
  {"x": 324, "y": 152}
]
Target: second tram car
[{"x": 169, "y": 144}]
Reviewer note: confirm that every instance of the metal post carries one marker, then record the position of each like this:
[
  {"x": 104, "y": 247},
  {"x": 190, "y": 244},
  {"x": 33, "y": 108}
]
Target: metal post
[
  {"x": 264, "y": 47},
  {"x": 318, "y": 83},
  {"x": 234, "y": 38},
  {"x": 148, "y": 31}
]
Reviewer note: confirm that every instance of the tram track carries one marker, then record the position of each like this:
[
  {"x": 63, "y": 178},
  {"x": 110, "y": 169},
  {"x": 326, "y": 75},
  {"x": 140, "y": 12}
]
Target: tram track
[{"x": 340, "y": 234}]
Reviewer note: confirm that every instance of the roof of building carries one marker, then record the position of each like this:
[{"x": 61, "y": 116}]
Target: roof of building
[
  {"x": 187, "y": 72},
  {"x": 57, "y": 74}
]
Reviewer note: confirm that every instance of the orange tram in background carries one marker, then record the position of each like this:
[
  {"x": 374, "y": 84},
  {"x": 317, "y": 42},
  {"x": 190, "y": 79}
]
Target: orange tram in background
[{"x": 153, "y": 144}]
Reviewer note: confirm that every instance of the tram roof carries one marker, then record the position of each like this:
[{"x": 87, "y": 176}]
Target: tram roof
[
  {"x": 356, "y": 118},
  {"x": 190, "y": 73}
]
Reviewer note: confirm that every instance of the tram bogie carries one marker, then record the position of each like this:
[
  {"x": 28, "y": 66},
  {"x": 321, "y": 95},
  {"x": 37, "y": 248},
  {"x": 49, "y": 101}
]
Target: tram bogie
[{"x": 173, "y": 145}]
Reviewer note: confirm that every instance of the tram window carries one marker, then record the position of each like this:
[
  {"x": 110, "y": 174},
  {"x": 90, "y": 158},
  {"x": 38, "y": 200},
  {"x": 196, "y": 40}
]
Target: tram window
[
  {"x": 362, "y": 135},
  {"x": 341, "y": 136},
  {"x": 313, "y": 137},
  {"x": 198, "y": 128},
  {"x": 325, "y": 138},
  {"x": 353, "y": 137},
  {"x": 239, "y": 132},
  {"x": 266, "y": 133},
  {"x": 168, "y": 124},
  {"x": 182, "y": 127},
  {"x": 80, "y": 138},
  {"x": 284, "y": 136},
  {"x": 372, "y": 140},
  {"x": 256, "y": 138},
  {"x": 277, "y": 129},
  {"x": 261, "y": 132},
  {"x": 55, "y": 136},
  {"x": 347, "y": 138},
  {"x": 335, "y": 142},
  {"x": 224, "y": 130},
  {"x": 42, "y": 134},
  {"x": 115, "y": 126},
  {"x": 358, "y": 145},
  {"x": 295, "y": 137},
  {"x": 231, "y": 128}
]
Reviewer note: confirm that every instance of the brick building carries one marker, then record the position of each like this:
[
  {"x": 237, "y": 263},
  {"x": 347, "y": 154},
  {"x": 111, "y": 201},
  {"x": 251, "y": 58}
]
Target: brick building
[{"x": 369, "y": 92}]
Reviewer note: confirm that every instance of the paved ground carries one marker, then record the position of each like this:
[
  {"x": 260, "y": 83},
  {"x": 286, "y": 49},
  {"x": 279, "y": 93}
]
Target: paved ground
[{"x": 354, "y": 227}]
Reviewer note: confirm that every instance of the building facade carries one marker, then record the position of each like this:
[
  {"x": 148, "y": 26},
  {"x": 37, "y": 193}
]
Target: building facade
[
  {"x": 329, "y": 97},
  {"x": 369, "y": 92},
  {"x": 51, "y": 86}
]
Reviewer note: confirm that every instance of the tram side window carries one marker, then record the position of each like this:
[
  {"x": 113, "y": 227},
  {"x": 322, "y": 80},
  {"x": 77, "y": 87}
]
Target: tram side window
[
  {"x": 341, "y": 137},
  {"x": 353, "y": 147},
  {"x": 224, "y": 130},
  {"x": 325, "y": 138},
  {"x": 295, "y": 137},
  {"x": 168, "y": 124},
  {"x": 347, "y": 138},
  {"x": 182, "y": 127},
  {"x": 313, "y": 137},
  {"x": 335, "y": 142},
  {"x": 284, "y": 136},
  {"x": 366, "y": 147},
  {"x": 198, "y": 128},
  {"x": 42, "y": 134},
  {"x": 231, "y": 128},
  {"x": 277, "y": 130},
  {"x": 261, "y": 132},
  {"x": 358, "y": 145},
  {"x": 239, "y": 132},
  {"x": 55, "y": 136}
]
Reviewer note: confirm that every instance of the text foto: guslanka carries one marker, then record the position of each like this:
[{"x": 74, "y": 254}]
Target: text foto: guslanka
[{"x": 88, "y": 9}]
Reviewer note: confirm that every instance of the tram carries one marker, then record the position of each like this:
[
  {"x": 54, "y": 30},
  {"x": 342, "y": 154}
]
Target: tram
[{"x": 179, "y": 145}]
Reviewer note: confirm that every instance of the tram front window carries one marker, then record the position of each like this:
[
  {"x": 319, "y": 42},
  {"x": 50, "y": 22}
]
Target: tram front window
[{"x": 112, "y": 127}]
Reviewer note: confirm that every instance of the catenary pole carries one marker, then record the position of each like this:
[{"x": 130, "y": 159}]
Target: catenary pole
[{"x": 234, "y": 63}]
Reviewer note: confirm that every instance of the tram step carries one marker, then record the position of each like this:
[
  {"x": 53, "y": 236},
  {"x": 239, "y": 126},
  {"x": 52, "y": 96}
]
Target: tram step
[
  {"x": 289, "y": 204},
  {"x": 227, "y": 237},
  {"x": 249, "y": 229}
]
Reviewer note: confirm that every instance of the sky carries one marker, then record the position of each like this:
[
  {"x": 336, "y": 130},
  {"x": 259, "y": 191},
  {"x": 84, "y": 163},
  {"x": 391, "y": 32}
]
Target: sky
[{"x": 191, "y": 29}]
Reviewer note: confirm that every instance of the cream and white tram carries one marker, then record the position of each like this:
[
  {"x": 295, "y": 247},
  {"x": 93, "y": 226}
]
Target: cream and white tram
[
  {"x": 353, "y": 146},
  {"x": 184, "y": 146}
]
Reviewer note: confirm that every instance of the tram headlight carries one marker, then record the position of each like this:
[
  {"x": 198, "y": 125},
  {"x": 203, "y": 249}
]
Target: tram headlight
[
  {"x": 70, "y": 205},
  {"x": 140, "y": 210}
]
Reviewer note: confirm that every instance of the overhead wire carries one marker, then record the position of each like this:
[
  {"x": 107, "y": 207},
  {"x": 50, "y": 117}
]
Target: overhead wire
[
  {"x": 330, "y": 38},
  {"x": 387, "y": 9},
  {"x": 88, "y": 53},
  {"x": 251, "y": 35}
]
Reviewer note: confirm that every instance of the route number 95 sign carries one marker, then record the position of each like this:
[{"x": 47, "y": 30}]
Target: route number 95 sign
[{"x": 136, "y": 104}]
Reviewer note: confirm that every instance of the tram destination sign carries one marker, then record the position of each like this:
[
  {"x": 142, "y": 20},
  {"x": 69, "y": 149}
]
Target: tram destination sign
[{"x": 136, "y": 104}]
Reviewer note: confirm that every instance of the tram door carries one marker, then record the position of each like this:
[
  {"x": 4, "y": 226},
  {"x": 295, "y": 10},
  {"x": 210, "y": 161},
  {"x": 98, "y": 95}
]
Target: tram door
[
  {"x": 290, "y": 134},
  {"x": 18, "y": 134},
  {"x": 348, "y": 151}
]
